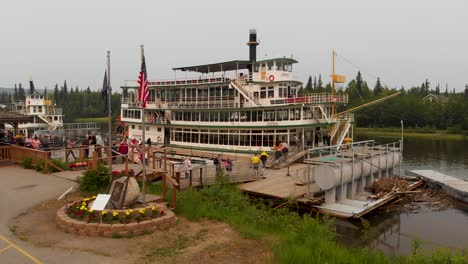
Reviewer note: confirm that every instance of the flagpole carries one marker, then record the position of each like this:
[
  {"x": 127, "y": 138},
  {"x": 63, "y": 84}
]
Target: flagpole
[
  {"x": 143, "y": 139},
  {"x": 109, "y": 103}
]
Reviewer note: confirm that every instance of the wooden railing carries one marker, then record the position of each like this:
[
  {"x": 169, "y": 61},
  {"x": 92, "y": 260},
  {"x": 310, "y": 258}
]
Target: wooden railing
[{"x": 18, "y": 154}]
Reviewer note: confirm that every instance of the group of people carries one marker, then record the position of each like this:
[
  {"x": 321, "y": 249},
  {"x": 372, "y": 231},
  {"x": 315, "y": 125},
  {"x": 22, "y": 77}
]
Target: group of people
[
  {"x": 219, "y": 163},
  {"x": 88, "y": 141},
  {"x": 31, "y": 142},
  {"x": 281, "y": 149}
]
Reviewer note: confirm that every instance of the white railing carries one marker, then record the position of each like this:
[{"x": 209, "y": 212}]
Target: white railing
[
  {"x": 176, "y": 82},
  {"x": 313, "y": 98}
]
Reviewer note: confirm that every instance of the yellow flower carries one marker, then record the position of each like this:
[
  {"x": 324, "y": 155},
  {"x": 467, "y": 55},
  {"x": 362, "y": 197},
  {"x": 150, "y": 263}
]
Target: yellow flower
[
  {"x": 90, "y": 210},
  {"x": 83, "y": 207},
  {"x": 154, "y": 208},
  {"x": 127, "y": 213},
  {"x": 86, "y": 199},
  {"x": 115, "y": 213},
  {"x": 131, "y": 211},
  {"x": 104, "y": 212},
  {"x": 94, "y": 197},
  {"x": 142, "y": 211}
]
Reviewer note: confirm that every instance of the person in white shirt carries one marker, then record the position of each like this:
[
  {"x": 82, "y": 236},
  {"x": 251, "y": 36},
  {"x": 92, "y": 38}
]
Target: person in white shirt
[{"x": 187, "y": 164}]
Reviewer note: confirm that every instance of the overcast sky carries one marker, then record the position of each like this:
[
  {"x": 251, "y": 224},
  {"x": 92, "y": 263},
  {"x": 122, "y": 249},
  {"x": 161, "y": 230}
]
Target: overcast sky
[{"x": 401, "y": 41}]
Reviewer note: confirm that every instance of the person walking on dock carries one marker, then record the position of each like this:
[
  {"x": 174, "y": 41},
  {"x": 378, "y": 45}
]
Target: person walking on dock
[
  {"x": 217, "y": 163},
  {"x": 255, "y": 160},
  {"x": 263, "y": 158},
  {"x": 187, "y": 165},
  {"x": 69, "y": 149}
]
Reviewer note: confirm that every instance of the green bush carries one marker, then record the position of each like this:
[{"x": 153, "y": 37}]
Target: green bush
[
  {"x": 59, "y": 163},
  {"x": 27, "y": 163},
  {"x": 95, "y": 180}
]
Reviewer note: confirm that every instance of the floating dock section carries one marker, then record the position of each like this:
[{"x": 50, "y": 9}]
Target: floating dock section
[{"x": 454, "y": 187}]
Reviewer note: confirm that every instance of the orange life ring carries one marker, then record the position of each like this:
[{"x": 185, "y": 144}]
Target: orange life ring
[
  {"x": 158, "y": 139},
  {"x": 271, "y": 78}
]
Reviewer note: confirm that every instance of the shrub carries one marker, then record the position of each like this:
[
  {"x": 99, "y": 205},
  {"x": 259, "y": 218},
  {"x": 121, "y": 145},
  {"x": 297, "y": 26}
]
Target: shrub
[
  {"x": 40, "y": 165},
  {"x": 27, "y": 163},
  {"x": 95, "y": 180},
  {"x": 59, "y": 163}
]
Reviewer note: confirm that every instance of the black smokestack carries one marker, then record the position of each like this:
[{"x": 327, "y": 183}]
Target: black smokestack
[{"x": 252, "y": 45}]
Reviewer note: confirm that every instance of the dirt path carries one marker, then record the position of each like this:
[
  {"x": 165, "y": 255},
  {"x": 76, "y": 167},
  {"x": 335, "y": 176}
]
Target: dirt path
[
  {"x": 29, "y": 200},
  {"x": 188, "y": 242}
]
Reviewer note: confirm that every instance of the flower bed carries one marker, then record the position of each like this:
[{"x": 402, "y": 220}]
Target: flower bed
[
  {"x": 119, "y": 173},
  {"x": 78, "y": 165},
  {"x": 79, "y": 219}
]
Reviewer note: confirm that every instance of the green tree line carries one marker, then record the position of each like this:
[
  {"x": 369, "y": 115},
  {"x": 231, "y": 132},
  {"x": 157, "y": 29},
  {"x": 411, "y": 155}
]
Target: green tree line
[
  {"x": 75, "y": 103},
  {"x": 449, "y": 110}
]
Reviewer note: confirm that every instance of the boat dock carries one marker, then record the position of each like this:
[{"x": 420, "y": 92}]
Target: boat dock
[{"x": 454, "y": 187}]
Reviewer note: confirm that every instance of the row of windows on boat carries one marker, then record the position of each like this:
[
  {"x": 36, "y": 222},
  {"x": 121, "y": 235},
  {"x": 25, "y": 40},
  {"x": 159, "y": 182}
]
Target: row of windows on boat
[
  {"x": 266, "y": 138},
  {"x": 282, "y": 114},
  {"x": 284, "y": 90}
]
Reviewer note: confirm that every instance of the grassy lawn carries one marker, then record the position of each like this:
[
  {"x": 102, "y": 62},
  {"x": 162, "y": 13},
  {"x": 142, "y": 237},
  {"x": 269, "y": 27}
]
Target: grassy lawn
[
  {"x": 92, "y": 119},
  {"x": 410, "y": 132}
]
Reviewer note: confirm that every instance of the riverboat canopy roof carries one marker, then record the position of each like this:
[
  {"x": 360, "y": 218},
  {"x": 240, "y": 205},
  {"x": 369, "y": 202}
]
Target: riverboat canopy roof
[
  {"x": 217, "y": 67},
  {"x": 287, "y": 60},
  {"x": 10, "y": 117}
]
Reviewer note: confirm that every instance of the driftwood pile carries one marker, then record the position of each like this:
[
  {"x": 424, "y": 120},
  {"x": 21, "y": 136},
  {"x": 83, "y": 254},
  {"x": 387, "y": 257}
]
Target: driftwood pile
[{"x": 410, "y": 200}]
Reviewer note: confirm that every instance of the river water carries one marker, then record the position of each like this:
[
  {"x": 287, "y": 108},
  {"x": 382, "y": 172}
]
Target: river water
[{"x": 394, "y": 231}]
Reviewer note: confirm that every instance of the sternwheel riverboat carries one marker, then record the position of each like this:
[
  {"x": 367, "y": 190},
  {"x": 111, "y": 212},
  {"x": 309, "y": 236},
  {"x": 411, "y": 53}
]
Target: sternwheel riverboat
[{"x": 240, "y": 106}]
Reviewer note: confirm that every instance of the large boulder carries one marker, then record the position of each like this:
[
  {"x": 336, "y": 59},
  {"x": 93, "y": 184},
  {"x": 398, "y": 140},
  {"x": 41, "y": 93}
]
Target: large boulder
[{"x": 132, "y": 193}]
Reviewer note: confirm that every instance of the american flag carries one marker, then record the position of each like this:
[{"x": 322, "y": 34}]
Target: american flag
[{"x": 143, "y": 92}]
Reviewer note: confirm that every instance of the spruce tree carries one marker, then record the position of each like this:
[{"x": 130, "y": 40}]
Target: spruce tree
[
  {"x": 21, "y": 92},
  {"x": 466, "y": 91},
  {"x": 15, "y": 93},
  {"x": 309, "y": 84},
  {"x": 56, "y": 93},
  {"x": 315, "y": 83},
  {"x": 378, "y": 87},
  {"x": 319, "y": 84},
  {"x": 65, "y": 89},
  {"x": 359, "y": 83}
]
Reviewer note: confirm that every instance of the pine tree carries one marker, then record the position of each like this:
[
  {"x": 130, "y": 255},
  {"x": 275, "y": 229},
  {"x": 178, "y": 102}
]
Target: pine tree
[
  {"x": 359, "y": 83},
  {"x": 15, "y": 93},
  {"x": 466, "y": 91},
  {"x": 309, "y": 84},
  {"x": 437, "y": 90},
  {"x": 319, "y": 83},
  {"x": 21, "y": 92},
  {"x": 56, "y": 93},
  {"x": 315, "y": 83},
  {"x": 65, "y": 89},
  {"x": 426, "y": 83},
  {"x": 378, "y": 87},
  {"x": 88, "y": 90}
]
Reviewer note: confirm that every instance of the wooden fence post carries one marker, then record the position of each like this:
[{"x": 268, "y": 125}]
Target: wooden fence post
[
  {"x": 95, "y": 160},
  {"x": 174, "y": 196},
  {"x": 46, "y": 159},
  {"x": 201, "y": 176}
]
